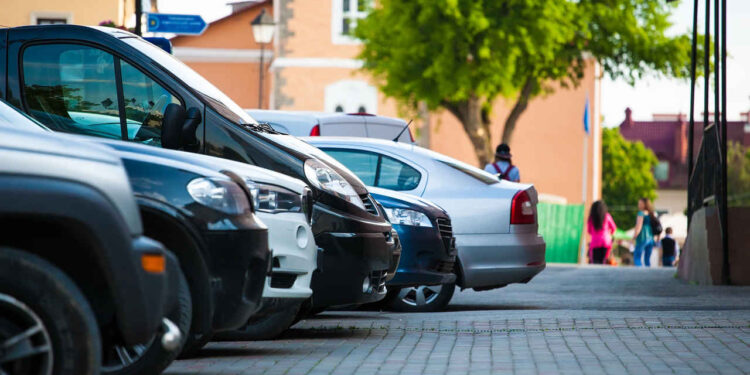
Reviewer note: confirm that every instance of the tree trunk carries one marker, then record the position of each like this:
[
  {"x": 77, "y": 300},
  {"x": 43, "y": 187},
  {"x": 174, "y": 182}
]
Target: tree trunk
[
  {"x": 518, "y": 108},
  {"x": 475, "y": 121}
]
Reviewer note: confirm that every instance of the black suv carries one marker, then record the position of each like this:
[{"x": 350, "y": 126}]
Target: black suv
[{"x": 110, "y": 83}]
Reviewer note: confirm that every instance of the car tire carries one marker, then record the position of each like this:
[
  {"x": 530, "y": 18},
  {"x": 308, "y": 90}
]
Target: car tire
[
  {"x": 34, "y": 294},
  {"x": 152, "y": 358},
  {"x": 266, "y": 327},
  {"x": 422, "y": 298}
]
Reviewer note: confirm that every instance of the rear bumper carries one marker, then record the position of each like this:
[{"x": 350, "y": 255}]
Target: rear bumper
[
  {"x": 425, "y": 260},
  {"x": 495, "y": 260},
  {"x": 353, "y": 250},
  {"x": 156, "y": 291},
  {"x": 241, "y": 261}
]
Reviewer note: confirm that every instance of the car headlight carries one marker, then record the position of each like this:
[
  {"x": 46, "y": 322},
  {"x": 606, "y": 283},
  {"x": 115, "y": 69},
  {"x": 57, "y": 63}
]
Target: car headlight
[
  {"x": 323, "y": 177},
  {"x": 403, "y": 216},
  {"x": 222, "y": 195},
  {"x": 272, "y": 199}
]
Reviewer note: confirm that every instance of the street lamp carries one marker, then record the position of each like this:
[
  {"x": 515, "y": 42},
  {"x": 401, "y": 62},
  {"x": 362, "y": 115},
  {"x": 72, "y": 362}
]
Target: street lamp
[{"x": 263, "y": 28}]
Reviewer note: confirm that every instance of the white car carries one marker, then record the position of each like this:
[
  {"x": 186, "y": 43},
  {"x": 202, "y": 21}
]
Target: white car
[
  {"x": 283, "y": 204},
  {"x": 304, "y": 124},
  {"x": 494, "y": 221}
]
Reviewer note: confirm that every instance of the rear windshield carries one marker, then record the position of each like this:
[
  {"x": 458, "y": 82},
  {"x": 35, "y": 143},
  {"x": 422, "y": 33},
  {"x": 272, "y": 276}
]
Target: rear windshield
[{"x": 472, "y": 172}]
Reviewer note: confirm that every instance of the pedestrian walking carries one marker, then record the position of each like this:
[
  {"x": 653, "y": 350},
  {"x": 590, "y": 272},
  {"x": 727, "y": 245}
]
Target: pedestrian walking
[
  {"x": 670, "y": 249},
  {"x": 601, "y": 227},
  {"x": 643, "y": 235},
  {"x": 503, "y": 166}
]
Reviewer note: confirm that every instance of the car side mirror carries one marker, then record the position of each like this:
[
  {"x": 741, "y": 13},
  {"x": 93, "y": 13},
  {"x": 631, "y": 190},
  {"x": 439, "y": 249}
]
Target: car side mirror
[
  {"x": 189, "y": 127},
  {"x": 171, "y": 127}
]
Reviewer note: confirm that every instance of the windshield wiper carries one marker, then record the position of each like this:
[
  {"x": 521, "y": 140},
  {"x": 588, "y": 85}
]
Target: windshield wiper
[{"x": 263, "y": 127}]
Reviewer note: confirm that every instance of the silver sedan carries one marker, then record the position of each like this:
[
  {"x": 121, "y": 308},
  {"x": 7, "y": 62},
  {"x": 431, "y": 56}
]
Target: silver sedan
[{"x": 494, "y": 221}]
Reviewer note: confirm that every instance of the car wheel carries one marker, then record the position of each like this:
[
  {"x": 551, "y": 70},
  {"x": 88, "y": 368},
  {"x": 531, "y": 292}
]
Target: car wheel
[
  {"x": 266, "y": 327},
  {"x": 152, "y": 357},
  {"x": 423, "y": 298},
  {"x": 46, "y": 324}
]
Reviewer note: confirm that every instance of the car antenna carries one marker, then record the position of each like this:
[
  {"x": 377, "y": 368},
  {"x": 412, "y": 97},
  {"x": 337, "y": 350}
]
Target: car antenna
[{"x": 402, "y": 131}]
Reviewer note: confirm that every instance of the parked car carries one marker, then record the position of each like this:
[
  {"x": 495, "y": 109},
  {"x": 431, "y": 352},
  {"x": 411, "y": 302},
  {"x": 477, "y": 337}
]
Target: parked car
[
  {"x": 208, "y": 219},
  {"x": 76, "y": 271},
  {"x": 112, "y": 83},
  {"x": 284, "y": 204},
  {"x": 494, "y": 221},
  {"x": 424, "y": 280},
  {"x": 313, "y": 124}
]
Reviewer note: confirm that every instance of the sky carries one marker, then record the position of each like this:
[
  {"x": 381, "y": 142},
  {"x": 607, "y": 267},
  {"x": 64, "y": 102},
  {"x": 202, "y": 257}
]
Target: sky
[{"x": 650, "y": 95}]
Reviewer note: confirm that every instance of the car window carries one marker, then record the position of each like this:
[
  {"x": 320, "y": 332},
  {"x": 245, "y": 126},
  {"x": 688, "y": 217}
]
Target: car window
[
  {"x": 396, "y": 175},
  {"x": 145, "y": 101},
  {"x": 363, "y": 164},
  {"x": 72, "y": 88}
]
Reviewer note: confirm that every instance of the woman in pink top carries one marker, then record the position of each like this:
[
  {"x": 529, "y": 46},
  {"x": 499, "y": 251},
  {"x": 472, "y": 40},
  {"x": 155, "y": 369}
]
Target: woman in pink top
[{"x": 601, "y": 227}]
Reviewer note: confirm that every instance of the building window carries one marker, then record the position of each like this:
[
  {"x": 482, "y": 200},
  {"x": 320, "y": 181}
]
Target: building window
[
  {"x": 344, "y": 16},
  {"x": 351, "y": 96},
  {"x": 50, "y": 18},
  {"x": 661, "y": 171}
]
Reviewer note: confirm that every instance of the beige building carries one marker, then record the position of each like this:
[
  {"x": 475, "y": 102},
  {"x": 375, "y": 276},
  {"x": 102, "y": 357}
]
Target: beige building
[
  {"x": 79, "y": 12},
  {"x": 314, "y": 67}
]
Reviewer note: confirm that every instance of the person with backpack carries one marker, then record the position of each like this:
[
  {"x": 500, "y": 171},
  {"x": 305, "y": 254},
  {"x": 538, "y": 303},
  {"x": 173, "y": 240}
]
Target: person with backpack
[
  {"x": 647, "y": 226},
  {"x": 601, "y": 227},
  {"x": 503, "y": 167},
  {"x": 669, "y": 248}
]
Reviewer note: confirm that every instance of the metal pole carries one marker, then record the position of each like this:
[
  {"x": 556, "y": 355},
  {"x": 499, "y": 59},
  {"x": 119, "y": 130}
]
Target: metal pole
[
  {"x": 260, "y": 81},
  {"x": 693, "y": 66},
  {"x": 706, "y": 71},
  {"x": 725, "y": 165},
  {"x": 138, "y": 16}
]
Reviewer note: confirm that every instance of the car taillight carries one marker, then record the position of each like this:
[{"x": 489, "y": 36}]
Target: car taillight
[
  {"x": 521, "y": 209},
  {"x": 315, "y": 132}
]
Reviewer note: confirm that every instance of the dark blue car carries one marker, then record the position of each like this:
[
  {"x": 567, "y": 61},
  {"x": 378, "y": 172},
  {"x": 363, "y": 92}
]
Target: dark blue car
[{"x": 427, "y": 256}]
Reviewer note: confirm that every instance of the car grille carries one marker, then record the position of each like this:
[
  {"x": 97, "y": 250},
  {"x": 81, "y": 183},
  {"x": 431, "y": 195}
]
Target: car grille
[
  {"x": 446, "y": 232},
  {"x": 369, "y": 204},
  {"x": 377, "y": 281},
  {"x": 282, "y": 280}
]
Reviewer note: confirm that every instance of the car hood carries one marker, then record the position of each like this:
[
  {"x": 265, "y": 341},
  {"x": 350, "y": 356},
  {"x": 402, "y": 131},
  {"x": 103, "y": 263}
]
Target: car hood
[{"x": 257, "y": 174}]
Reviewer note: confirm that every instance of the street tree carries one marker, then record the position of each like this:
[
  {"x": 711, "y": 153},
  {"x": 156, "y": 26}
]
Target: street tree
[
  {"x": 461, "y": 55},
  {"x": 627, "y": 175}
]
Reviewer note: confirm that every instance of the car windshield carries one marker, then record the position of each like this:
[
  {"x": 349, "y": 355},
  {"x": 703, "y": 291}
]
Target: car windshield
[
  {"x": 13, "y": 118},
  {"x": 214, "y": 97}
]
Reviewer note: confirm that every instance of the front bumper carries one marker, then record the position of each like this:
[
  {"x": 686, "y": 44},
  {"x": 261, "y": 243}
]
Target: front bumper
[
  {"x": 294, "y": 255},
  {"x": 241, "y": 260},
  {"x": 426, "y": 258},
  {"x": 154, "y": 289},
  {"x": 354, "y": 260},
  {"x": 495, "y": 260}
]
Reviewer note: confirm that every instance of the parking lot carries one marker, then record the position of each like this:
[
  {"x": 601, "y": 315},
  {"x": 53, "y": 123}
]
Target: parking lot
[{"x": 567, "y": 320}]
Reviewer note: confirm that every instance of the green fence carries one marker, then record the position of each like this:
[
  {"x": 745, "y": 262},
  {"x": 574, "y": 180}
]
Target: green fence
[{"x": 561, "y": 225}]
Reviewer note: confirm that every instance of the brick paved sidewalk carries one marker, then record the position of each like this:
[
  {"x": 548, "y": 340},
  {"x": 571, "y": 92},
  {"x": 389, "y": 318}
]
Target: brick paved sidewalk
[{"x": 480, "y": 337}]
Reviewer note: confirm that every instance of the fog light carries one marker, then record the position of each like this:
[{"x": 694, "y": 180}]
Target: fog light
[
  {"x": 302, "y": 240},
  {"x": 366, "y": 285}
]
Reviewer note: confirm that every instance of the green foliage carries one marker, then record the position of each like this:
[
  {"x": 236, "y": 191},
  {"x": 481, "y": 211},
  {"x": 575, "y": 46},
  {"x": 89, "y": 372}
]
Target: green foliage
[
  {"x": 738, "y": 175},
  {"x": 626, "y": 176},
  {"x": 445, "y": 52}
]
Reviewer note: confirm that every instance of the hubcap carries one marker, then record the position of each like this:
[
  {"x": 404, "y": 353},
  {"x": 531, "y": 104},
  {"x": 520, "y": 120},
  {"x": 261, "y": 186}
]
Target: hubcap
[
  {"x": 118, "y": 357},
  {"x": 25, "y": 346},
  {"x": 420, "y": 295}
]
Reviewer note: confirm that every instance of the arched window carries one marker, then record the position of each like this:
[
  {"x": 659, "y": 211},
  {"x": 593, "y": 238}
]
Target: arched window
[{"x": 351, "y": 96}]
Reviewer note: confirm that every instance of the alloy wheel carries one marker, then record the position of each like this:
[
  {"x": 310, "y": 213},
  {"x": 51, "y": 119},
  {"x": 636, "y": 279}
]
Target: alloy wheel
[
  {"x": 118, "y": 357},
  {"x": 25, "y": 345},
  {"x": 420, "y": 295}
]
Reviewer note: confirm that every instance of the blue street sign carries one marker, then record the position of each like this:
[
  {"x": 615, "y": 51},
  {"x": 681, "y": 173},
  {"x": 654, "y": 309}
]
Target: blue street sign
[{"x": 189, "y": 24}]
